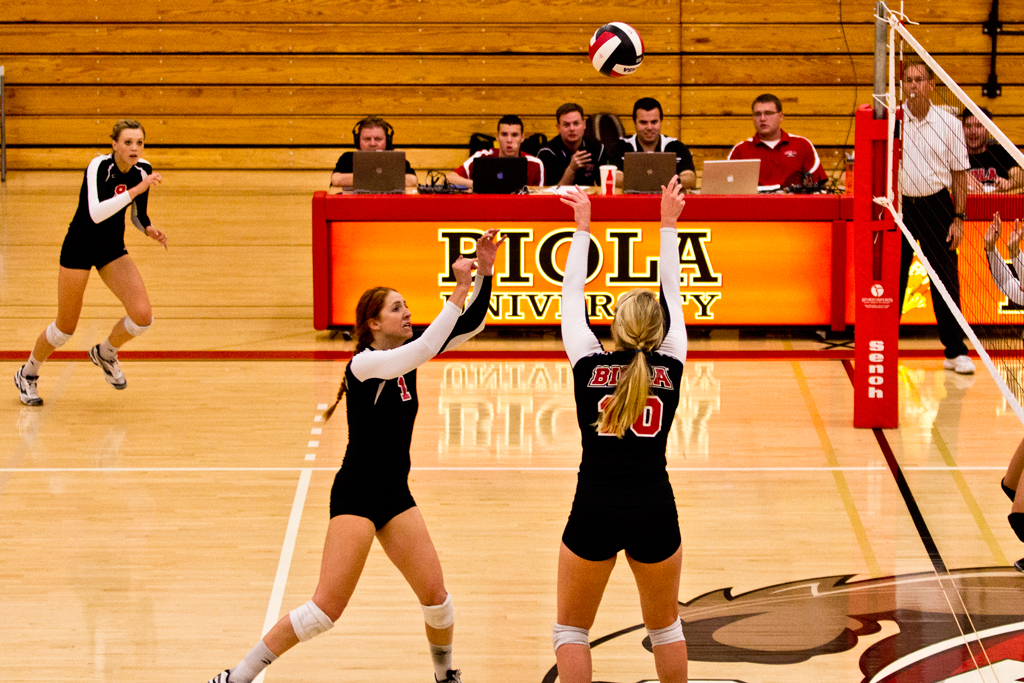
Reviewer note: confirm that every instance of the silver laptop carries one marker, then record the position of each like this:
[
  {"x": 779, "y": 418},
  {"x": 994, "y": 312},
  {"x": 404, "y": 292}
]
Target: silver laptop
[
  {"x": 376, "y": 172},
  {"x": 730, "y": 177},
  {"x": 646, "y": 172}
]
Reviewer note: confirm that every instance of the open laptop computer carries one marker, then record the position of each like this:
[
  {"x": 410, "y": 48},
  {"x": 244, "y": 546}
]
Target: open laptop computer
[
  {"x": 646, "y": 172},
  {"x": 737, "y": 176},
  {"x": 376, "y": 172},
  {"x": 499, "y": 175}
]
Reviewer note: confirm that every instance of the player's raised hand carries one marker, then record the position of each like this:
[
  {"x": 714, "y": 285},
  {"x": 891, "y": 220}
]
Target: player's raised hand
[
  {"x": 580, "y": 203},
  {"x": 992, "y": 234},
  {"x": 672, "y": 201},
  {"x": 463, "y": 270},
  {"x": 487, "y": 250},
  {"x": 1013, "y": 243}
]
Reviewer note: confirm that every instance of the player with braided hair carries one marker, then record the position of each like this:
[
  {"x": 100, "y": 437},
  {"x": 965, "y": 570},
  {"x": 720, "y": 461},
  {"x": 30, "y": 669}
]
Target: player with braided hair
[{"x": 370, "y": 497}]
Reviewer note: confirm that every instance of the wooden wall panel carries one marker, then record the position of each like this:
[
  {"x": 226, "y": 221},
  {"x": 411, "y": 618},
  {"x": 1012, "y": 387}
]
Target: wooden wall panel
[
  {"x": 596, "y": 12},
  {"x": 347, "y": 38},
  {"x": 839, "y": 11},
  {"x": 372, "y": 70},
  {"x": 351, "y": 101},
  {"x": 264, "y": 82},
  {"x": 713, "y": 131}
]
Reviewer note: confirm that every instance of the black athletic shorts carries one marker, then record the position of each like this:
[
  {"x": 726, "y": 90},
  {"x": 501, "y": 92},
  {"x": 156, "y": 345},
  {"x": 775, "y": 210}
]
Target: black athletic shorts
[
  {"x": 377, "y": 501},
  {"x": 649, "y": 532},
  {"x": 82, "y": 254}
]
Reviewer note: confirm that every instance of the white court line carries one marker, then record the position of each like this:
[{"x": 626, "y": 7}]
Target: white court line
[
  {"x": 285, "y": 563},
  {"x": 868, "y": 468}
]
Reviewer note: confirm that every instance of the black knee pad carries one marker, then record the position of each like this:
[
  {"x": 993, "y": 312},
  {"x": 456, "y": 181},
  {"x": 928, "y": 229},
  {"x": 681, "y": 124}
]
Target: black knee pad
[
  {"x": 1017, "y": 524},
  {"x": 1010, "y": 493}
]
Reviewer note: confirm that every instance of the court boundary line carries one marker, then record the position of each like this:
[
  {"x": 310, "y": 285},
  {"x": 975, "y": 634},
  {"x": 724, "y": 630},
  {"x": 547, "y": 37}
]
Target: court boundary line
[
  {"x": 963, "y": 621},
  {"x": 284, "y": 563}
]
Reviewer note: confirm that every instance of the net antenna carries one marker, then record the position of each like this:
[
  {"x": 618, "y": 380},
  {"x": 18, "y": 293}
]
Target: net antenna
[{"x": 991, "y": 321}]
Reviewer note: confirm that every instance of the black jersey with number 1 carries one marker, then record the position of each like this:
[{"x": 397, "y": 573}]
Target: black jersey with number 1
[
  {"x": 638, "y": 458},
  {"x": 381, "y": 395}
]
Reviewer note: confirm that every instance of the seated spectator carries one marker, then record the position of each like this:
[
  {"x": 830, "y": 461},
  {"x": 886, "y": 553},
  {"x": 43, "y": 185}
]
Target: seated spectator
[
  {"x": 648, "y": 138},
  {"x": 571, "y": 159},
  {"x": 785, "y": 159},
  {"x": 510, "y": 137},
  {"x": 992, "y": 167},
  {"x": 372, "y": 133}
]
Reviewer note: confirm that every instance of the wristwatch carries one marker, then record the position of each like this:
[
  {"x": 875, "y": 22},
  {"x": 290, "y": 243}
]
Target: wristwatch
[{"x": 962, "y": 216}]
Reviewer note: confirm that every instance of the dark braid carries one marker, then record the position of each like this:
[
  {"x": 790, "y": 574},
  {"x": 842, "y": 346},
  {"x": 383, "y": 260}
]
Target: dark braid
[{"x": 368, "y": 308}]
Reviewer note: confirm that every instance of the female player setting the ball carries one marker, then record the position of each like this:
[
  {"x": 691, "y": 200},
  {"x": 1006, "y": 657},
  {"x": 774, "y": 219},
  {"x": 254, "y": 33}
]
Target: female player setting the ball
[
  {"x": 96, "y": 238},
  {"x": 370, "y": 496},
  {"x": 625, "y": 403}
]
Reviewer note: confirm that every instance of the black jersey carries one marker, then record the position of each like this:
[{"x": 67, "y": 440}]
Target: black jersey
[
  {"x": 994, "y": 163},
  {"x": 638, "y": 458},
  {"x": 381, "y": 396},
  {"x": 104, "y": 199}
]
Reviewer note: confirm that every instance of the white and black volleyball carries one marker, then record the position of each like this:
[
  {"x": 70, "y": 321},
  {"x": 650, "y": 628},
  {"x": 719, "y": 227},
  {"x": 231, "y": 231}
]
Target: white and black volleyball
[{"x": 616, "y": 49}]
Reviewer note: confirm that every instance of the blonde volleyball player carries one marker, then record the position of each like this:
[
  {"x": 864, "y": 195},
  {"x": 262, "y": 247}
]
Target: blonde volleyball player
[
  {"x": 1010, "y": 286},
  {"x": 95, "y": 238},
  {"x": 370, "y": 497},
  {"x": 625, "y": 403}
]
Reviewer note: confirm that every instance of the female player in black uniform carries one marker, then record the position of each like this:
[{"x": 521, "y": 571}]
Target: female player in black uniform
[
  {"x": 96, "y": 238},
  {"x": 1012, "y": 287},
  {"x": 625, "y": 402},
  {"x": 370, "y": 496}
]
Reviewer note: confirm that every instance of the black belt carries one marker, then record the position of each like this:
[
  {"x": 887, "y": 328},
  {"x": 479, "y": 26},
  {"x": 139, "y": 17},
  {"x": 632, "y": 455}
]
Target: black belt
[{"x": 920, "y": 200}]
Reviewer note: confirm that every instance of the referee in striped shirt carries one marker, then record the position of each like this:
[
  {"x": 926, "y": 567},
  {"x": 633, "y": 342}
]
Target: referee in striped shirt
[{"x": 933, "y": 183}]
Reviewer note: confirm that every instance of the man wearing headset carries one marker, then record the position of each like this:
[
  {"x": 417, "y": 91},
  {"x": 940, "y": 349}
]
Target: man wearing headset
[{"x": 372, "y": 133}]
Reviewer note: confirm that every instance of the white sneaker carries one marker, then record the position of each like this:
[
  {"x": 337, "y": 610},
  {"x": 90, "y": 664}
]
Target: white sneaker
[
  {"x": 961, "y": 364},
  {"x": 111, "y": 368},
  {"x": 27, "y": 388},
  {"x": 222, "y": 677}
]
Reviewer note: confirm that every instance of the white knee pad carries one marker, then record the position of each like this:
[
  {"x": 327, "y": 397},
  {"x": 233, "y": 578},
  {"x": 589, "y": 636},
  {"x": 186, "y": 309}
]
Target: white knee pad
[
  {"x": 309, "y": 621},
  {"x": 440, "y": 616},
  {"x": 569, "y": 635},
  {"x": 133, "y": 329},
  {"x": 669, "y": 634},
  {"x": 55, "y": 337}
]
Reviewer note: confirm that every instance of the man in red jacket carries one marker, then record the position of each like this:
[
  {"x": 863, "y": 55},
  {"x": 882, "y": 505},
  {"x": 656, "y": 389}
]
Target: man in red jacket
[{"x": 785, "y": 159}]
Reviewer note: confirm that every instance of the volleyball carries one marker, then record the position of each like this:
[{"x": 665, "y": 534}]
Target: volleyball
[{"x": 616, "y": 49}]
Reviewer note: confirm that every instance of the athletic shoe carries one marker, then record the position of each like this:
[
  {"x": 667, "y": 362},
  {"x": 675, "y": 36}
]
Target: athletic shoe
[
  {"x": 222, "y": 677},
  {"x": 111, "y": 368},
  {"x": 27, "y": 388},
  {"x": 961, "y": 364},
  {"x": 454, "y": 675},
  {"x": 1019, "y": 565}
]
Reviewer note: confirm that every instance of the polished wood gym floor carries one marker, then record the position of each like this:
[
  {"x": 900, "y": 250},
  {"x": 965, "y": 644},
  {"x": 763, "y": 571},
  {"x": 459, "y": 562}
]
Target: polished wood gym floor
[{"x": 150, "y": 534}]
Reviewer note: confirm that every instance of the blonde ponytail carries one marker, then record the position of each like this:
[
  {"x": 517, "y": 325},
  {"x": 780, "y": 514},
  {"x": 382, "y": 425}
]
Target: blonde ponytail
[
  {"x": 638, "y": 326},
  {"x": 629, "y": 400}
]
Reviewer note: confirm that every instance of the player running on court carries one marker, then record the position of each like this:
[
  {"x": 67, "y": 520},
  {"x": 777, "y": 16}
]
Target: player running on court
[
  {"x": 96, "y": 238},
  {"x": 1010, "y": 286},
  {"x": 625, "y": 403},
  {"x": 370, "y": 496}
]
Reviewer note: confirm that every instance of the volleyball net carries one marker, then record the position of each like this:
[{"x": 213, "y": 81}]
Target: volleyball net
[{"x": 951, "y": 158}]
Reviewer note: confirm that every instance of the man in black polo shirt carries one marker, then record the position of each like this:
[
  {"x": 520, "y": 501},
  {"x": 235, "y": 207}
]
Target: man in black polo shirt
[
  {"x": 571, "y": 159},
  {"x": 647, "y": 117},
  {"x": 371, "y": 133},
  {"x": 992, "y": 167}
]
